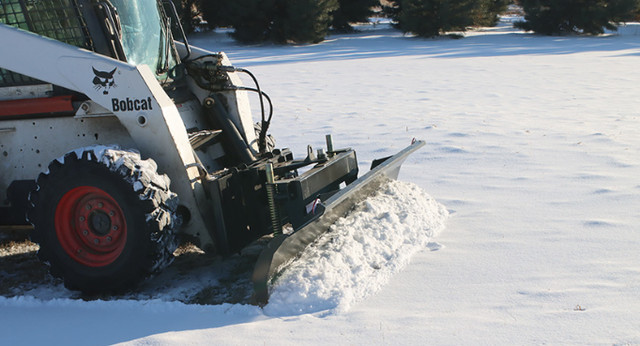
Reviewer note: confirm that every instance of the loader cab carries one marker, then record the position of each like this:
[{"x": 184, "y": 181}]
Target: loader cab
[{"x": 135, "y": 31}]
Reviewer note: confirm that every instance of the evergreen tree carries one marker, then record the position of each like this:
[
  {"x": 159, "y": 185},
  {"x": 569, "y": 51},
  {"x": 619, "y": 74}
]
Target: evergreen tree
[
  {"x": 487, "y": 12},
  {"x": 428, "y": 18},
  {"x": 281, "y": 21},
  {"x": 392, "y": 10},
  {"x": 303, "y": 21},
  {"x": 187, "y": 11},
  {"x": 575, "y": 16},
  {"x": 217, "y": 13},
  {"x": 352, "y": 11},
  {"x": 252, "y": 19}
]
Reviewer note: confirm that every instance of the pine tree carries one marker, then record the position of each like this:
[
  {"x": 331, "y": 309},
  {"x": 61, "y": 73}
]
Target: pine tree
[
  {"x": 352, "y": 11},
  {"x": 252, "y": 19},
  {"x": 487, "y": 12},
  {"x": 303, "y": 21},
  {"x": 392, "y": 10},
  {"x": 217, "y": 13},
  {"x": 429, "y": 18},
  {"x": 188, "y": 10},
  {"x": 575, "y": 16},
  {"x": 281, "y": 21}
]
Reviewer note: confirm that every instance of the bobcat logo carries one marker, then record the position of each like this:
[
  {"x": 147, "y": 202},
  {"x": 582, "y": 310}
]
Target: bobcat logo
[{"x": 104, "y": 80}]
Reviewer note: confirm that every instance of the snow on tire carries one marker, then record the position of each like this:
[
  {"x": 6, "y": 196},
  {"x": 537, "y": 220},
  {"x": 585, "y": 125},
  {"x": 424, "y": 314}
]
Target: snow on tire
[{"x": 104, "y": 219}]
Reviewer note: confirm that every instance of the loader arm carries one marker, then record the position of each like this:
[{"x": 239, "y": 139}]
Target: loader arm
[{"x": 135, "y": 98}]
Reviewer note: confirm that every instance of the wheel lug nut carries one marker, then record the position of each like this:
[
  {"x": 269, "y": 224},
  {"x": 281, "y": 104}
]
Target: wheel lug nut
[
  {"x": 100, "y": 205},
  {"x": 82, "y": 218},
  {"x": 111, "y": 213},
  {"x": 88, "y": 207},
  {"x": 109, "y": 239},
  {"x": 85, "y": 232},
  {"x": 96, "y": 241},
  {"x": 115, "y": 228}
]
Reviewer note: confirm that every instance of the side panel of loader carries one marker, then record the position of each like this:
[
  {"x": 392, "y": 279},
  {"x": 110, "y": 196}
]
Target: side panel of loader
[
  {"x": 149, "y": 116},
  {"x": 28, "y": 145}
]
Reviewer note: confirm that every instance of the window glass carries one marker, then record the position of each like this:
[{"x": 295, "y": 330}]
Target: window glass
[{"x": 145, "y": 37}]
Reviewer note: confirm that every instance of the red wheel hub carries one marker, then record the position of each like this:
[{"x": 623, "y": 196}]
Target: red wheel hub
[{"x": 90, "y": 226}]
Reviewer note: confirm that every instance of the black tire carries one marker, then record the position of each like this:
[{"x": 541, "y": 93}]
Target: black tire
[{"x": 104, "y": 219}]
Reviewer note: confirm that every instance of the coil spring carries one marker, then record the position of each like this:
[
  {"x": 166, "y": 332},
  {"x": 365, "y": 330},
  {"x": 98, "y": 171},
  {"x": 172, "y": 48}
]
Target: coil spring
[{"x": 271, "y": 199}]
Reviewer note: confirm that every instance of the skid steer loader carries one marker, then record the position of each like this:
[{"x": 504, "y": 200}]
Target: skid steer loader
[{"x": 117, "y": 140}]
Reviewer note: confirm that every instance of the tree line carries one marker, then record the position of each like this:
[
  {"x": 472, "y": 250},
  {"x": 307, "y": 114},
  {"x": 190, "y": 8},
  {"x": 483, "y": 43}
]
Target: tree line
[{"x": 309, "y": 21}]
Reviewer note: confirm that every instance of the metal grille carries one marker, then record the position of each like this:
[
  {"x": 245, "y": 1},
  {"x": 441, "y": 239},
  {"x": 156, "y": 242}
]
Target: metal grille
[
  {"x": 56, "y": 19},
  {"x": 11, "y": 13}
]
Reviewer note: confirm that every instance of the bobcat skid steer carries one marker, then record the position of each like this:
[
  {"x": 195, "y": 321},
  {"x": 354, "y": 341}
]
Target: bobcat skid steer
[{"x": 117, "y": 141}]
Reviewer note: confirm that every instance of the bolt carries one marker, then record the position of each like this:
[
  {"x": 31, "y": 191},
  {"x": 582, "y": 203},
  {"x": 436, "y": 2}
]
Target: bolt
[
  {"x": 85, "y": 232},
  {"x": 209, "y": 102},
  {"x": 85, "y": 107},
  {"x": 82, "y": 219},
  {"x": 115, "y": 228}
]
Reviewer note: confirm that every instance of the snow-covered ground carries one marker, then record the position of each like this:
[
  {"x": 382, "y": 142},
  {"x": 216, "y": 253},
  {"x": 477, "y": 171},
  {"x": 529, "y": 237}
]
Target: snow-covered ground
[{"x": 533, "y": 146}]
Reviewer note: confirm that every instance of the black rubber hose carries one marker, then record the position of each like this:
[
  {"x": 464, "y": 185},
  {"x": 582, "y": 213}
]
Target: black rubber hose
[{"x": 234, "y": 140}]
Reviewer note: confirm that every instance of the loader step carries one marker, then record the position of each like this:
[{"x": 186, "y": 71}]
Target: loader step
[{"x": 199, "y": 138}]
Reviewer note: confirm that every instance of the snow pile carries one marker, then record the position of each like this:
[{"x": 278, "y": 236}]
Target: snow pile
[{"x": 360, "y": 253}]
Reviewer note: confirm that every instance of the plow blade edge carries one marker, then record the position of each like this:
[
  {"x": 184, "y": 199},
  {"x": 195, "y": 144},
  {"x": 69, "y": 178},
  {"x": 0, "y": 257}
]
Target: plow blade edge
[{"x": 285, "y": 248}]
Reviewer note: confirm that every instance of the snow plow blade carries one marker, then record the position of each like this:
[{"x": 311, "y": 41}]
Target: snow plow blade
[{"x": 284, "y": 248}]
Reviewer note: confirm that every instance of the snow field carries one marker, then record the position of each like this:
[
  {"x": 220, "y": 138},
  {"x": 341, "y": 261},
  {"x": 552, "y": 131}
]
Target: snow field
[{"x": 533, "y": 146}]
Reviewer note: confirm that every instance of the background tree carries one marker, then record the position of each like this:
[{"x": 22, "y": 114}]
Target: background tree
[
  {"x": 391, "y": 9},
  {"x": 188, "y": 11},
  {"x": 252, "y": 19},
  {"x": 487, "y": 12},
  {"x": 429, "y": 18},
  {"x": 281, "y": 21},
  {"x": 575, "y": 16},
  {"x": 352, "y": 11},
  {"x": 217, "y": 13},
  {"x": 304, "y": 21}
]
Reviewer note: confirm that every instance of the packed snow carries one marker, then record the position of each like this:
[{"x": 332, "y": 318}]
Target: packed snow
[
  {"x": 360, "y": 253},
  {"x": 533, "y": 147}
]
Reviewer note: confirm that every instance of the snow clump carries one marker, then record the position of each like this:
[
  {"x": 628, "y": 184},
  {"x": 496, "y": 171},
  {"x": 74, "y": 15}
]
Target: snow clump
[{"x": 360, "y": 253}]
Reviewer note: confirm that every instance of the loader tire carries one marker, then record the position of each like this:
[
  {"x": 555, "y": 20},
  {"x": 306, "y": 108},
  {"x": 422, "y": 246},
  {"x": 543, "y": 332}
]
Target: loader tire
[{"x": 104, "y": 219}]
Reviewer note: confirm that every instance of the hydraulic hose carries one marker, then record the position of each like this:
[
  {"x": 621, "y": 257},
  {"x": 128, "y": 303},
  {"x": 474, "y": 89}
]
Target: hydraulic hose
[{"x": 235, "y": 141}]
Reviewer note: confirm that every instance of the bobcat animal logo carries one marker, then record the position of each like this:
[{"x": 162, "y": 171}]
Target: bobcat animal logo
[{"x": 104, "y": 80}]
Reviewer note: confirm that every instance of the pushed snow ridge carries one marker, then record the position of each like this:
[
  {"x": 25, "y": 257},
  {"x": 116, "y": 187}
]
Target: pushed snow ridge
[{"x": 360, "y": 253}]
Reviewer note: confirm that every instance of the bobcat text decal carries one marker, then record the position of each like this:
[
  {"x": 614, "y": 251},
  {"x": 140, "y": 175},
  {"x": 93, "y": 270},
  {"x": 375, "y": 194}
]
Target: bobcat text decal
[{"x": 128, "y": 104}]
